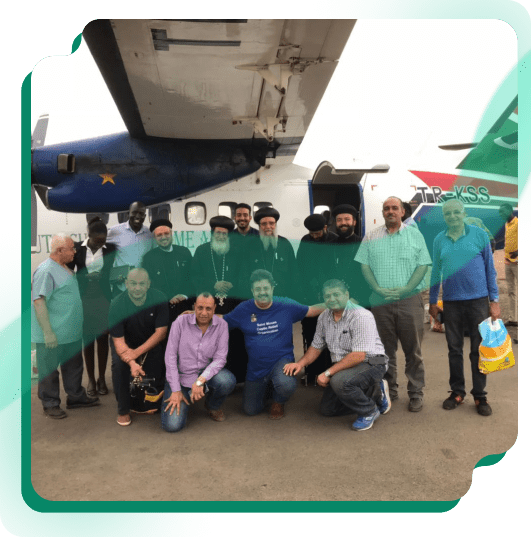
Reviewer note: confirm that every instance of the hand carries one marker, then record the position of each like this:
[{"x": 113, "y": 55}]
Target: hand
[
  {"x": 196, "y": 393},
  {"x": 434, "y": 310},
  {"x": 129, "y": 355},
  {"x": 513, "y": 255},
  {"x": 292, "y": 369},
  {"x": 136, "y": 370},
  {"x": 495, "y": 312},
  {"x": 323, "y": 380},
  {"x": 177, "y": 298},
  {"x": 387, "y": 294},
  {"x": 400, "y": 292},
  {"x": 174, "y": 402},
  {"x": 50, "y": 340},
  {"x": 220, "y": 287}
]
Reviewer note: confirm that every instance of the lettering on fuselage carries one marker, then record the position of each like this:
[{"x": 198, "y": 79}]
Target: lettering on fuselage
[{"x": 468, "y": 194}]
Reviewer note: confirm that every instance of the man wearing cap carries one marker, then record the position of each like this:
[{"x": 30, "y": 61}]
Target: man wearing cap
[
  {"x": 346, "y": 247},
  {"x": 315, "y": 260},
  {"x": 215, "y": 266},
  {"x": 394, "y": 261},
  {"x": 132, "y": 240},
  {"x": 273, "y": 253},
  {"x": 169, "y": 267}
]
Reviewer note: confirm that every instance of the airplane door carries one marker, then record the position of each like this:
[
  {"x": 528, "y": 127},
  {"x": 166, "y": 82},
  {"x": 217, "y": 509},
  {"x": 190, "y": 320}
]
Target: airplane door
[{"x": 331, "y": 187}]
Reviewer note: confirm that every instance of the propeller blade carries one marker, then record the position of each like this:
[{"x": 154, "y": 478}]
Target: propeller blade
[{"x": 39, "y": 134}]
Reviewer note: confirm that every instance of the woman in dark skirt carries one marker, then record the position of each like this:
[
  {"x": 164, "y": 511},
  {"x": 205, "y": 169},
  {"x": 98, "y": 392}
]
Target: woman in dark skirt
[{"x": 93, "y": 262}]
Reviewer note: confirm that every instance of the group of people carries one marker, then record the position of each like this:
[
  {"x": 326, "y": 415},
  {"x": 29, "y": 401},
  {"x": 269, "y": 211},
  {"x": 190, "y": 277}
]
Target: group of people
[{"x": 185, "y": 328}]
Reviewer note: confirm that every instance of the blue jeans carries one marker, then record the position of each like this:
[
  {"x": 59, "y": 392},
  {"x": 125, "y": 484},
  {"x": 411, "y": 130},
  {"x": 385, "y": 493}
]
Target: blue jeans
[
  {"x": 219, "y": 387},
  {"x": 254, "y": 391},
  {"x": 459, "y": 315},
  {"x": 353, "y": 391}
]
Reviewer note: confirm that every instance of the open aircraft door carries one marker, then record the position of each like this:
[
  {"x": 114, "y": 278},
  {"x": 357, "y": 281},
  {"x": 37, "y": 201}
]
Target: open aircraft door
[{"x": 331, "y": 187}]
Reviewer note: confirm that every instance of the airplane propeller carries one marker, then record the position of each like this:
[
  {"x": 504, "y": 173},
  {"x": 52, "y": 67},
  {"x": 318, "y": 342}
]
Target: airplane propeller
[
  {"x": 457, "y": 147},
  {"x": 37, "y": 140}
]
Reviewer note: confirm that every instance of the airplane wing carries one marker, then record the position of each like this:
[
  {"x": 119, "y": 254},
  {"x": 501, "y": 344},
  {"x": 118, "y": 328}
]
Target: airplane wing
[{"x": 254, "y": 80}]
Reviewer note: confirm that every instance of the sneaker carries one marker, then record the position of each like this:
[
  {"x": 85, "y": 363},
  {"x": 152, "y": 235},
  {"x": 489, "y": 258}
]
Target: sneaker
[
  {"x": 365, "y": 422},
  {"x": 89, "y": 401},
  {"x": 277, "y": 411},
  {"x": 415, "y": 404},
  {"x": 54, "y": 412},
  {"x": 124, "y": 420},
  {"x": 385, "y": 405},
  {"x": 482, "y": 406},
  {"x": 453, "y": 401}
]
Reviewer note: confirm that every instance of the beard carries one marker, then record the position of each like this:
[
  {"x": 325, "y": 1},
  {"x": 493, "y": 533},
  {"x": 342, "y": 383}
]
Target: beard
[
  {"x": 345, "y": 233},
  {"x": 220, "y": 247},
  {"x": 269, "y": 240}
]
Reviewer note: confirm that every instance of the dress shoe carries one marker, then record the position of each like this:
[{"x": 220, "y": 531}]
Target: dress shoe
[
  {"x": 91, "y": 388},
  {"x": 89, "y": 401},
  {"x": 54, "y": 412},
  {"x": 277, "y": 411},
  {"x": 123, "y": 420},
  {"x": 216, "y": 415},
  {"x": 102, "y": 387},
  {"x": 415, "y": 404}
]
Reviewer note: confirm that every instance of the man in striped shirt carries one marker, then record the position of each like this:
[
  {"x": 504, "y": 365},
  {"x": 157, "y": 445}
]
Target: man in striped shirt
[{"x": 354, "y": 383}]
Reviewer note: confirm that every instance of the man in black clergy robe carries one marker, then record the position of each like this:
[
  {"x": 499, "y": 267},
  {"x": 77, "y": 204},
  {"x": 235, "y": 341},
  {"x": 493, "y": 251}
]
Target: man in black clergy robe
[{"x": 169, "y": 267}]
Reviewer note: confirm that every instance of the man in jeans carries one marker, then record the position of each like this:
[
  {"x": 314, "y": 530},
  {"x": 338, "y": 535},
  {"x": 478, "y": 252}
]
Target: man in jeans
[
  {"x": 195, "y": 358},
  {"x": 354, "y": 383},
  {"x": 463, "y": 258},
  {"x": 394, "y": 260},
  {"x": 267, "y": 326}
]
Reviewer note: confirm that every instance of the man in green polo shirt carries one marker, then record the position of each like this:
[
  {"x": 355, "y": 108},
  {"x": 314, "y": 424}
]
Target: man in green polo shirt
[{"x": 394, "y": 260}]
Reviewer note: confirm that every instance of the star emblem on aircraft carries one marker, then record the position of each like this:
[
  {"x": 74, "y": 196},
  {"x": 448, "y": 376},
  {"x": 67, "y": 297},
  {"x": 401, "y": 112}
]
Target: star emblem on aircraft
[{"x": 108, "y": 178}]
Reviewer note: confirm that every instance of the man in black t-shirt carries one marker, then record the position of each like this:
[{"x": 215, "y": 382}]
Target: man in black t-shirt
[{"x": 138, "y": 321}]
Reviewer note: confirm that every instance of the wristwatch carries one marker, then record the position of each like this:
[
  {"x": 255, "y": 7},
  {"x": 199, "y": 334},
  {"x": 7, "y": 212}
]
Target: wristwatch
[
  {"x": 327, "y": 373},
  {"x": 198, "y": 383}
]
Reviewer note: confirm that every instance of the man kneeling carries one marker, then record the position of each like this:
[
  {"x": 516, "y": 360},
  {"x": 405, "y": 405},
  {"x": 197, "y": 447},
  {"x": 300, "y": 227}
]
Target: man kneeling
[
  {"x": 195, "y": 356},
  {"x": 354, "y": 383}
]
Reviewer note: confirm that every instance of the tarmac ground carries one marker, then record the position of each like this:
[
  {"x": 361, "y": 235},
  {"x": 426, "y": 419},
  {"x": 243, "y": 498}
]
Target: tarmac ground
[{"x": 429, "y": 455}]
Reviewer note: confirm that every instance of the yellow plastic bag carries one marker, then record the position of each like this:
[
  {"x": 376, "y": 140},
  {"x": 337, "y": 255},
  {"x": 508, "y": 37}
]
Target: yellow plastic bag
[{"x": 495, "y": 351}]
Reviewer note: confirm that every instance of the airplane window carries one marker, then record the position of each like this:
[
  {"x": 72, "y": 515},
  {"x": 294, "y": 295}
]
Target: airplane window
[
  {"x": 160, "y": 211},
  {"x": 104, "y": 217},
  {"x": 227, "y": 208},
  {"x": 123, "y": 217},
  {"x": 320, "y": 209},
  {"x": 195, "y": 213},
  {"x": 260, "y": 205}
]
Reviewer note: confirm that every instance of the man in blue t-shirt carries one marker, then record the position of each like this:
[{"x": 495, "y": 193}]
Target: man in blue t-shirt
[{"x": 267, "y": 326}]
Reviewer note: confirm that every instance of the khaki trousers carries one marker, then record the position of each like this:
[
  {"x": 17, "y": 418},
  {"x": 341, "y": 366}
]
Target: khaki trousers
[{"x": 511, "y": 277}]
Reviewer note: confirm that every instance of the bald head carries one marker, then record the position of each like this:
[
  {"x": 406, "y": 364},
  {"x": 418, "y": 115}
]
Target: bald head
[
  {"x": 137, "y": 284},
  {"x": 62, "y": 249},
  {"x": 393, "y": 211}
]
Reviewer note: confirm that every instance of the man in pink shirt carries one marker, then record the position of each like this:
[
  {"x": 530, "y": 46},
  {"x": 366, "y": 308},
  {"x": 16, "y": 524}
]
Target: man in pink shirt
[{"x": 195, "y": 358}]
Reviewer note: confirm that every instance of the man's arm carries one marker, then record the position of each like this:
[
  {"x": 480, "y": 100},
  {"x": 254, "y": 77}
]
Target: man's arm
[
  {"x": 309, "y": 357},
  {"x": 350, "y": 360},
  {"x": 316, "y": 310},
  {"x": 413, "y": 282},
  {"x": 41, "y": 312},
  {"x": 492, "y": 285},
  {"x": 371, "y": 280}
]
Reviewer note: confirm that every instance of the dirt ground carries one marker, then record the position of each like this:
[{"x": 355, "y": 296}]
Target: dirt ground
[{"x": 428, "y": 455}]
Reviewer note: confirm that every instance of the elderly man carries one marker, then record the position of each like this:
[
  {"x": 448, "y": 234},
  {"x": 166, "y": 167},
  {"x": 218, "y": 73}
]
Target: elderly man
[
  {"x": 463, "y": 258},
  {"x": 57, "y": 328},
  {"x": 216, "y": 267},
  {"x": 267, "y": 325},
  {"x": 169, "y": 267},
  {"x": 315, "y": 260},
  {"x": 195, "y": 359},
  {"x": 354, "y": 383},
  {"x": 346, "y": 247},
  {"x": 138, "y": 319},
  {"x": 273, "y": 253},
  {"x": 394, "y": 261},
  {"x": 132, "y": 240},
  {"x": 511, "y": 261}
]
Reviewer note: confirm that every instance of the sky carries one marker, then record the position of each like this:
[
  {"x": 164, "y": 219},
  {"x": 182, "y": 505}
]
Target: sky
[{"x": 401, "y": 88}]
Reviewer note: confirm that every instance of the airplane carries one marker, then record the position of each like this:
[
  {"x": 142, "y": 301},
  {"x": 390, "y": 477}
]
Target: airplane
[{"x": 201, "y": 140}]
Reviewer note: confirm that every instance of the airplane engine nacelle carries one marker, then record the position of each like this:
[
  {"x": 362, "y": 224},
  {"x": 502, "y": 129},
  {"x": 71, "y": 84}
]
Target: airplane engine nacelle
[{"x": 108, "y": 173}]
